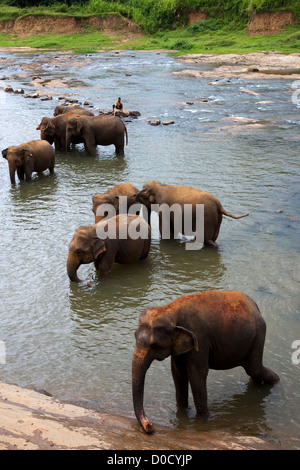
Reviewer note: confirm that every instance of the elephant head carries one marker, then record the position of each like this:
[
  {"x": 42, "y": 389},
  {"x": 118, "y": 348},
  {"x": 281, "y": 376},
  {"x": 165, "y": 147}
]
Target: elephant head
[
  {"x": 47, "y": 130},
  {"x": 84, "y": 248},
  {"x": 19, "y": 159},
  {"x": 106, "y": 201},
  {"x": 118, "y": 199},
  {"x": 157, "y": 337}
]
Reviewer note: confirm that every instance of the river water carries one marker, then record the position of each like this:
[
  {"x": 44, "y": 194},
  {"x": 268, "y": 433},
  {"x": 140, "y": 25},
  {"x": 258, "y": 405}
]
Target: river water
[{"x": 76, "y": 342}]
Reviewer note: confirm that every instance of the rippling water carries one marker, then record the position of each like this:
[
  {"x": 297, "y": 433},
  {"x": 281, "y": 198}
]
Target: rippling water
[{"x": 75, "y": 341}]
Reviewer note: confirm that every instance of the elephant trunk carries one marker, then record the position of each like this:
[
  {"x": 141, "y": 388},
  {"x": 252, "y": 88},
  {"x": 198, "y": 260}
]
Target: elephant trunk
[
  {"x": 72, "y": 265},
  {"x": 140, "y": 364}
]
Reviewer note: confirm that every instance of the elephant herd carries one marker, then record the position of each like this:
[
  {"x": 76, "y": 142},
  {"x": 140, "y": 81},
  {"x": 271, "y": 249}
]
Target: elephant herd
[
  {"x": 208, "y": 330},
  {"x": 70, "y": 125},
  {"x": 202, "y": 331}
]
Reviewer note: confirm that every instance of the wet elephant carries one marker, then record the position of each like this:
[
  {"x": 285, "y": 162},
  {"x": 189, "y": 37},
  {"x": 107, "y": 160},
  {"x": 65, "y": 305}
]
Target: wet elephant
[
  {"x": 62, "y": 109},
  {"x": 209, "y": 330},
  {"x": 112, "y": 197},
  {"x": 186, "y": 198},
  {"x": 97, "y": 130},
  {"x": 108, "y": 242},
  {"x": 32, "y": 156},
  {"x": 53, "y": 130}
]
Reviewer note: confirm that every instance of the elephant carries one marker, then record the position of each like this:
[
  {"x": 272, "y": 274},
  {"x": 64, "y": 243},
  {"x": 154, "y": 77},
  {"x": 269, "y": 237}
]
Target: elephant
[
  {"x": 208, "y": 330},
  {"x": 97, "y": 130},
  {"x": 111, "y": 196},
  {"x": 156, "y": 193},
  {"x": 108, "y": 242},
  {"x": 53, "y": 129},
  {"x": 35, "y": 155},
  {"x": 62, "y": 109}
]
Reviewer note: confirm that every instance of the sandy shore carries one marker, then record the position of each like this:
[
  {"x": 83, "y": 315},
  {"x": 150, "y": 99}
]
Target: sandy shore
[{"x": 30, "y": 420}]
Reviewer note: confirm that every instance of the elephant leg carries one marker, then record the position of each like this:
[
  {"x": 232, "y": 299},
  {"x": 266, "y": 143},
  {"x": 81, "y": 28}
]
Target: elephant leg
[
  {"x": 57, "y": 144},
  {"x": 21, "y": 174},
  {"x": 120, "y": 146},
  {"x": 254, "y": 365},
  {"x": 119, "y": 150},
  {"x": 181, "y": 382},
  {"x": 211, "y": 244},
  {"x": 217, "y": 228},
  {"x": 51, "y": 168},
  {"x": 90, "y": 146},
  {"x": 197, "y": 373}
]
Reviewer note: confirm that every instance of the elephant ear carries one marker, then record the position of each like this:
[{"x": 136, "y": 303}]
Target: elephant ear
[
  {"x": 184, "y": 341},
  {"x": 27, "y": 155},
  {"x": 98, "y": 247},
  {"x": 4, "y": 153},
  {"x": 43, "y": 125}
]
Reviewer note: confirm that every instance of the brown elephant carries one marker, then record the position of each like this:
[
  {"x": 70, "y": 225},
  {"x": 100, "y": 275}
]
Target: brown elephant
[
  {"x": 112, "y": 197},
  {"x": 110, "y": 241},
  {"x": 53, "y": 130},
  {"x": 187, "y": 198},
  {"x": 97, "y": 130},
  {"x": 32, "y": 156},
  {"x": 210, "y": 330},
  {"x": 62, "y": 109}
]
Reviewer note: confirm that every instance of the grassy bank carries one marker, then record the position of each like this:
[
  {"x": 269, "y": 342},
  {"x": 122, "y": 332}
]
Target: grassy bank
[{"x": 164, "y": 24}]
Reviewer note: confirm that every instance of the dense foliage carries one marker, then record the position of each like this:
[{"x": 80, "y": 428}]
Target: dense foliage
[{"x": 159, "y": 15}]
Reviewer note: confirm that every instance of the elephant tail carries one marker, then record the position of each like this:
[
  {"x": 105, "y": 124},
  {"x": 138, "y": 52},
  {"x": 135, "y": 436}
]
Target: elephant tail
[
  {"x": 224, "y": 212},
  {"x": 126, "y": 134}
]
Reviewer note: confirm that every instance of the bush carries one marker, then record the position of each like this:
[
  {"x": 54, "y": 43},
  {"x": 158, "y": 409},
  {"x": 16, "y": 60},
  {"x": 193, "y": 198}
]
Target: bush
[{"x": 205, "y": 26}]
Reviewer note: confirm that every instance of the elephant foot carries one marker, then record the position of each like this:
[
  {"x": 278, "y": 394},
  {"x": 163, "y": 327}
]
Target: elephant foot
[{"x": 267, "y": 376}]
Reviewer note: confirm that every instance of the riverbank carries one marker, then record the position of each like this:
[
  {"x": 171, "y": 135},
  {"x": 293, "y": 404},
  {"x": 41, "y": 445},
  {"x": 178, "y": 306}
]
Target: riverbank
[
  {"x": 200, "y": 33},
  {"x": 34, "y": 421}
]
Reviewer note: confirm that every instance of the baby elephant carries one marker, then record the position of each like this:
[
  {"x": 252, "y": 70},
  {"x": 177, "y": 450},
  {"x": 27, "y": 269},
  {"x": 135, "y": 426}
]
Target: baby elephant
[
  {"x": 36, "y": 155},
  {"x": 121, "y": 239},
  {"x": 209, "y": 330}
]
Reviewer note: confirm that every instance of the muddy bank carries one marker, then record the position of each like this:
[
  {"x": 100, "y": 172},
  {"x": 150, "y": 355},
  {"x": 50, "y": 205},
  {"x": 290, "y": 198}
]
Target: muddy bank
[
  {"x": 270, "y": 22},
  {"x": 255, "y": 65},
  {"x": 40, "y": 24},
  {"x": 34, "y": 421}
]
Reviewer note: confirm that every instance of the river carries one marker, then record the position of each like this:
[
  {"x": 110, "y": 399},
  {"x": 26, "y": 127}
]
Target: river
[{"x": 76, "y": 342}]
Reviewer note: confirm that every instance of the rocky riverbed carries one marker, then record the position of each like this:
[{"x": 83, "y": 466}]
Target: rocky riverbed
[{"x": 256, "y": 65}]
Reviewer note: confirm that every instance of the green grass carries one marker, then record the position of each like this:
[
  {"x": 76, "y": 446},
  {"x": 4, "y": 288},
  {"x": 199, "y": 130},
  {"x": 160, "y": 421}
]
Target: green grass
[
  {"x": 226, "y": 32},
  {"x": 219, "y": 42},
  {"x": 82, "y": 43}
]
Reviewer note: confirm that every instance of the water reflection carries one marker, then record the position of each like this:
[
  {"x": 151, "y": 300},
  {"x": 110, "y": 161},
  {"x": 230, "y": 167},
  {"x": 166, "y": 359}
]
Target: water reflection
[{"x": 242, "y": 412}]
